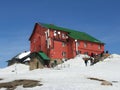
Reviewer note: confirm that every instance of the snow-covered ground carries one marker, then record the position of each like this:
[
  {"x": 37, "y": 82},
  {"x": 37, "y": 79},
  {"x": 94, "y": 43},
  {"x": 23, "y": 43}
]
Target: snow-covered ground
[{"x": 71, "y": 75}]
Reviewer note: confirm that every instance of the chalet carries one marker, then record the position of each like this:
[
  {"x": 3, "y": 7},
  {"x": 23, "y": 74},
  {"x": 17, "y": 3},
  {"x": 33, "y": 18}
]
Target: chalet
[
  {"x": 23, "y": 58},
  {"x": 62, "y": 43}
]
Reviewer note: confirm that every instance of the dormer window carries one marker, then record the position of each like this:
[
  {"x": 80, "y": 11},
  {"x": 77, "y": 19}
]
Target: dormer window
[
  {"x": 58, "y": 32},
  {"x": 67, "y": 37},
  {"x": 63, "y": 35},
  {"x": 55, "y": 33}
]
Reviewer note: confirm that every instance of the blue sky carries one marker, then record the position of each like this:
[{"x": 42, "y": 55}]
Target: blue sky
[{"x": 99, "y": 18}]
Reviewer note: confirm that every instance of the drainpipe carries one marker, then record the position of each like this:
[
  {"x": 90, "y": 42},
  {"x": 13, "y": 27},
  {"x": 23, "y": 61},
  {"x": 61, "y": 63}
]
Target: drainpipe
[{"x": 48, "y": 38}]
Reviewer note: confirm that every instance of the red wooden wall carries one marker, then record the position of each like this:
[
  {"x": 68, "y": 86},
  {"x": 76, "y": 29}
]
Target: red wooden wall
[{"x": 55, "y": 51}]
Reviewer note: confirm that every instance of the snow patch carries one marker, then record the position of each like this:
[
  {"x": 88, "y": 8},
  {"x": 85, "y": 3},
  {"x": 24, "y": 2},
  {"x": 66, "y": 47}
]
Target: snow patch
[
  {"x": 114, "y": 56},
  {"x": 20, "y": 56}
]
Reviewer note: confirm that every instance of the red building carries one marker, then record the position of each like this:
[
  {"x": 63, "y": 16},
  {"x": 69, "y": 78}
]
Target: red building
[{"x": 58, "y": 42}]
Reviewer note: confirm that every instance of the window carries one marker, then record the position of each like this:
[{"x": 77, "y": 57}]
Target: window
[
  {"x": 66, "y": 37},
  {"x": 85, "y": 44},
  {"x": 63, "y": 44},
  {"x": 64, "y": 54},
  {"x": 78, "y": 52},
  {"x": 35, "y": 48},
  {"x": 58, "y": 32},
  {"x": 99, "y": 46},
  {"x": 63, "y": 35},
  {"x": 34, "y": 41},
  {"x": 55, "y": 33},
  {"x": 86, "y": 53}
]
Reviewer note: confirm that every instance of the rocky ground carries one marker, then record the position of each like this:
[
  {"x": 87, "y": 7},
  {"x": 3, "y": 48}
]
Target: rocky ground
[{"x": 25, "y": 83}]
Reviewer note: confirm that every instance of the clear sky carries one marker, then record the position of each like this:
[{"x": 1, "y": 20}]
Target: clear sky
[{"x": 99, "y": 18}]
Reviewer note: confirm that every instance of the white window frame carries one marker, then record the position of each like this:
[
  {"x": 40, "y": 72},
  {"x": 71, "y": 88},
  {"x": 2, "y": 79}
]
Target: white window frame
[
  {"x": 58, "y": 32},
  {"x": 55, "y": 32}
]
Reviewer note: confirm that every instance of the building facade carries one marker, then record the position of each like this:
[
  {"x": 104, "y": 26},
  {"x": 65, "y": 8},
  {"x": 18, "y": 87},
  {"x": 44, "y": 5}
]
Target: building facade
[{"x": 58, "y": 42}]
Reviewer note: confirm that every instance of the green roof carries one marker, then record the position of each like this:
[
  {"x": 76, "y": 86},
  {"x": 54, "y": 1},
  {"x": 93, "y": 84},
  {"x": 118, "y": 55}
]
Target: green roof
[
  {"x": 43, "y": 55},
  {"x": 73, "y": 33}
]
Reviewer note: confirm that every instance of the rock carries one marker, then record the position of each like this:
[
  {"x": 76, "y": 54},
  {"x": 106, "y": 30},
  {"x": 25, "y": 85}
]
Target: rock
[
  {"x": 106, "y": 83},
  {"x": 1, "y": 79},
  {"x": 25, "y": 83}
]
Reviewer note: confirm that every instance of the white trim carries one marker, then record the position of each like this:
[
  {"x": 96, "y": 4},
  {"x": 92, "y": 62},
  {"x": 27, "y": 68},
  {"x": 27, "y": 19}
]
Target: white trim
[
  {"x": 46, "y": 35},
  {"x": 48, "y": 32},
  {"x": 58, "y": 32}
]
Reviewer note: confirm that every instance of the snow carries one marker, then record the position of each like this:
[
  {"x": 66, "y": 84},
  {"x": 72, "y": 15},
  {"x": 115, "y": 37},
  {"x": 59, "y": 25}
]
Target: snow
[
  {"x": 21, "y": 68},
  {"x": 71, "y": 75},
  {"x": 20, "y": 56},
  {"x": 28, "y": 59}
]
